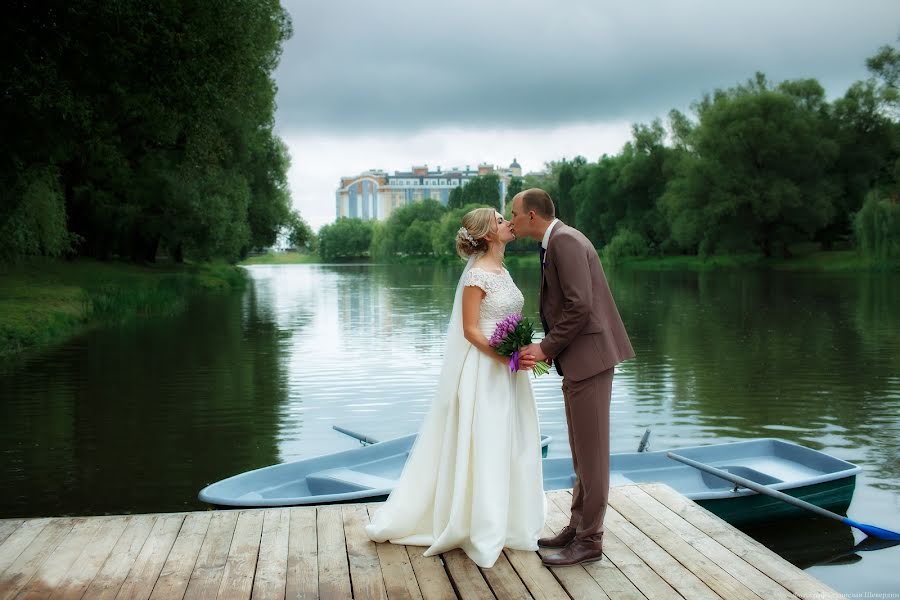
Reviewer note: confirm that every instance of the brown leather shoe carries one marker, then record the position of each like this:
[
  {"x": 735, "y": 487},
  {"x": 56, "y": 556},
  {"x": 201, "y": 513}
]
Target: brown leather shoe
[
  {"x": 560, "y": 540},
  {"x": 579, "y": 551}
]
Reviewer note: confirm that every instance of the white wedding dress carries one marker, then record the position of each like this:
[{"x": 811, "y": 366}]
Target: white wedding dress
[{"x": 473, "y": 478}]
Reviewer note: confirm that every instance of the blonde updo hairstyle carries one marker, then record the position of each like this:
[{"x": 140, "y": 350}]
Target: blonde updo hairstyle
[{"x": 471, "y": 237}]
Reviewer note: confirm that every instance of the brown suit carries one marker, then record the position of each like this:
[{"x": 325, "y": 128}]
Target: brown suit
[{"x": 586, "y": 338}]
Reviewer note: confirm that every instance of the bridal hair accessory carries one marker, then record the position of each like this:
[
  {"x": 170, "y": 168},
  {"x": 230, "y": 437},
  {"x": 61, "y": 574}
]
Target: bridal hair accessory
[{"x": 465, "y": 233}]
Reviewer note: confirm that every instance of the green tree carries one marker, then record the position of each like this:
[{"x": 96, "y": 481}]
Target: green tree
[
  {"x": 35, "y": 223},
  {"x": 758, "y": 177},
  {"x": 418, "y": 217},
  {"x": 864, "y": 125},
  {"x": 877, "y": 229},
  {"x": 155, "y": 126},
  {"x": 483, "y": 189},
  {"x": 566, "y": 179},
  {"x": 622, "y": 192},
  {"x": 443, "y": 236},
  {"x": 299, "y": 234},
  {"x": 416, "y": 240},
  {"x": 345, "y": 238},
  {"x": 515, "y": 186}
]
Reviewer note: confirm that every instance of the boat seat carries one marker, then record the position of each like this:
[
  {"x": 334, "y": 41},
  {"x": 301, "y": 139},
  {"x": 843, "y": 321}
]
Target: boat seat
[{"x": 336, "y": 481}]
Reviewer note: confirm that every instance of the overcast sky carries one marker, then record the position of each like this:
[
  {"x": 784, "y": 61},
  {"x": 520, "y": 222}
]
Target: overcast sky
[{"x": 387, "y": 85}]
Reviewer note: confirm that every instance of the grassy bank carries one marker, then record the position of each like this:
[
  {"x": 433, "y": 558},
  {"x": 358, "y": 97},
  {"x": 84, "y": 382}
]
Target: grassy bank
[
  {"x": 45, "y": 301},
  {"x": 803, "y": 260},
  {"x": 833, "y": 261},
  {"x": 283, "y": 258}
]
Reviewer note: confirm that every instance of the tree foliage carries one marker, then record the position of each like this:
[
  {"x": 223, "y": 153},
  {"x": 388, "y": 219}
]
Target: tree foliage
[
  {"x": 136, "y": 130},
  {"x": 758, "y": 176},
  {"x": 409, "y": 230},
  {"x": 300, "y": 235},
  {"x": 443, "y": 237},
  {"x": 758, "y": 167},
  {"x": 877, "y": 228},
  {"x": 345, "y": 238},
  {"x": 483, "y": 189}
]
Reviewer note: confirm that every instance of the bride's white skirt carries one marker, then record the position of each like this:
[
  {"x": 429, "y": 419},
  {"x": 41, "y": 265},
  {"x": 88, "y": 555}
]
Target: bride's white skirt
[{"x": 473, "y": 478}]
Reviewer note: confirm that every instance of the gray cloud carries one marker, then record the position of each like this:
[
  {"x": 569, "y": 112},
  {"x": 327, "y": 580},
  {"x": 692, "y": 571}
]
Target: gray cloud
[{"x": 402, "y": 66}]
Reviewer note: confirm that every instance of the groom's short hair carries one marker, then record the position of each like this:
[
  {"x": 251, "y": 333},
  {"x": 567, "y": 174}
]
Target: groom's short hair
[{"x": 539, "y": 201}]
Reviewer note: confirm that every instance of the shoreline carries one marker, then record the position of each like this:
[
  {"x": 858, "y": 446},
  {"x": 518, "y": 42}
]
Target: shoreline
[
  {"x": 44, "y": 302},
  {"x": 832, "y": 261}
]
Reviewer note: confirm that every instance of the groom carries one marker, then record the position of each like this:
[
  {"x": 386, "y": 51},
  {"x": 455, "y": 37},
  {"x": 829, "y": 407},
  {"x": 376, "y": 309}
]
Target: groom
[{"x": 585, "y": 336}]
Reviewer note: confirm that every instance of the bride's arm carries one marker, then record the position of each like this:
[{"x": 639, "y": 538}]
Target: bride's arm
[{"x": 471, "y": 313}]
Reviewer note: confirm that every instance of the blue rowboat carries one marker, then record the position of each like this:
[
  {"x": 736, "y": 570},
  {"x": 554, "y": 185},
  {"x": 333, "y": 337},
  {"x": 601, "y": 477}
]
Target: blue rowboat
[
  {"x": 370, "y": 473},
  {"x": 361, "y": 474}
]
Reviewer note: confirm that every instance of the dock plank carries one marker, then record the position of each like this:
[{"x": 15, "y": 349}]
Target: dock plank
[
  {"x": 365, "y": 569},
  {"x": 149, "y": 562},
  {"x": 503, "y": 580},
  {"x": 7, "y": 526},
  {"x": 93, "y": 556},
  {"x": 711, "y": 574},
  {"x": 658, "y": 545},
  {"x": 749, "y": 575},
  {"x": 540, "y": 582},
  {"x": 302, "y": 564},
  {"x": 400, "y": 580},
  {"x": 176, "y": 571},
  {"x": 30, "y": 559},
  {"x": 240, "y": 566},
  {"x": 431, "y": 574},
  {"x": 466, "y": 577},
  {"x": 754, "y": 553},
  {"x": 51, "y": 573},
  {"x": 19, "y": 539},
  {"x": 334, "y": 568},
  {"x": 271, "y": 568},
  {"x": 207, "y": 575},
  {"x": 106, "y": 584},
  {"x": 680, "y": 578},
  {"x": 577, "y": 582}
]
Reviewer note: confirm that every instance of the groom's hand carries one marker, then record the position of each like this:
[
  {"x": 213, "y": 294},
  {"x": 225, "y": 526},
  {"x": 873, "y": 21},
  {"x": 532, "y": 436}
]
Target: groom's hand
[{"x": 531, "y": 354}]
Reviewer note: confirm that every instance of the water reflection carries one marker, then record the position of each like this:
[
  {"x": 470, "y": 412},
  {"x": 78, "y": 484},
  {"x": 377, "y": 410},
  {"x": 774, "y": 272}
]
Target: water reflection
[
  {"x": 133, "y": 419},
  {"x": 140, "y": 418}
]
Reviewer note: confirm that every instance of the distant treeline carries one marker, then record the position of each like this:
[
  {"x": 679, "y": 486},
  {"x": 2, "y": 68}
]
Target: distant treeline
[
  {"x": 132, "y": 129},
  {"x": 757, "y": 168}
]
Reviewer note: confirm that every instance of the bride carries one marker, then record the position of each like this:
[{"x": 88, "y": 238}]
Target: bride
[{"x": 473, "y": 478}]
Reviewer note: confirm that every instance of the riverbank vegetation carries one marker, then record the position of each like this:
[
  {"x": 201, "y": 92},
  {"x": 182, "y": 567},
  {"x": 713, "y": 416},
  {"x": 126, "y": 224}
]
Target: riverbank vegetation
[
  {"x": 755, "y": 173},
  {"x": 131, "y": 133},
  {"x": 138, "y": 158},
  {"x": 43, "y": 301}
]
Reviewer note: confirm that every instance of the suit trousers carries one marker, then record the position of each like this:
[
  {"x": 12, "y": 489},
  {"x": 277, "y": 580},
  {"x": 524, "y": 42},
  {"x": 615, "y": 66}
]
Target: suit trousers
[{"x": 587, "y": 414}]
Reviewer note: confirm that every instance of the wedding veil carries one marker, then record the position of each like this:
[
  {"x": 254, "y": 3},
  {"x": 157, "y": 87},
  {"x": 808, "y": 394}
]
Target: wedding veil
[{"x": 454, "y": 353}]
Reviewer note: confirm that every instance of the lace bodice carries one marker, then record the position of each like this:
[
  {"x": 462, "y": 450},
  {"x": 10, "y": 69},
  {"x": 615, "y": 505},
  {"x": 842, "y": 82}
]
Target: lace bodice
[{"x": 502, "y": 296}]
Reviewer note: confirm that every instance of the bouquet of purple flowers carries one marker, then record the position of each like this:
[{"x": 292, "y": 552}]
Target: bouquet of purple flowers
[{"x": 513, "y": 332}]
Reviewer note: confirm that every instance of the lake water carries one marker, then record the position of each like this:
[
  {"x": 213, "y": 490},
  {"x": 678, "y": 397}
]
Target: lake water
[{"x": 140, "y": 417}]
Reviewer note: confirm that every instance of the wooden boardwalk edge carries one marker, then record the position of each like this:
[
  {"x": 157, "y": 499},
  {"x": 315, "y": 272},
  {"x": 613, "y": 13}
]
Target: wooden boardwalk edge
[{"x": 657, "y": 544}]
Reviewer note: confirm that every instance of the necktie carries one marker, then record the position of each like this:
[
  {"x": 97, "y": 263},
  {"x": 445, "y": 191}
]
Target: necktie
[{"x": 543, "y": 252}]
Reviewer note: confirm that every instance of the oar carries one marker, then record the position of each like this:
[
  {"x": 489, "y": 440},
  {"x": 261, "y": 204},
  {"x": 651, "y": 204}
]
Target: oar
[
  {"x": 363, "y": 439},
  {"x": 877, "y": 532},
  {"x": 645, "y": 439}
]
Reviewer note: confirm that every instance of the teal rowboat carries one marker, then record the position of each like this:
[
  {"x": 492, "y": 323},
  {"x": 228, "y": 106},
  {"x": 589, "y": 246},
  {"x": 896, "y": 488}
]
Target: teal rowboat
[{"x": 370, "y": 473}]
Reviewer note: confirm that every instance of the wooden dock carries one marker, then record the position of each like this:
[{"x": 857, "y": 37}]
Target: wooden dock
[{"x": 658, "y": 544}]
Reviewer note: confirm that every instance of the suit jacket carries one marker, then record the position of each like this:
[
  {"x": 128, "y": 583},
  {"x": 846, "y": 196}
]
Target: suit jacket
[{"x": 584, "y": 333}]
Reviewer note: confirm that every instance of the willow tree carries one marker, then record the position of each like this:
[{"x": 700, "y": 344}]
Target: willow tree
[{"x": 141, "y": 129}]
